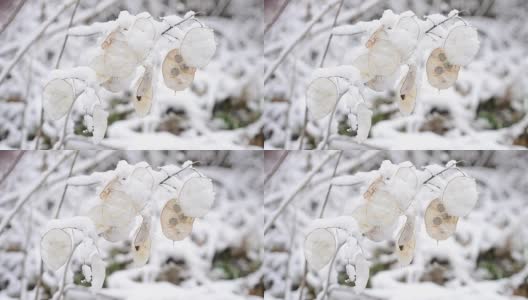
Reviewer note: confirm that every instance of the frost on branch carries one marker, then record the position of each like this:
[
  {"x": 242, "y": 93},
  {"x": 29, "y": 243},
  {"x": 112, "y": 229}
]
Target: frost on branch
[
  {"x": 129, "y": 54},
  {"x": 389, "y": 211},
  {"x": 392, "y": 53}
]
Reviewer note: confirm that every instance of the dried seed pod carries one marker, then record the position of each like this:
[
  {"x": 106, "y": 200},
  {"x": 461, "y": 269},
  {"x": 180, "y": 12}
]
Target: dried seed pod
[
  {"x": 117, "y": 84},
  {"x": 175, "y": 225},
  {"x": 177, "y": 75},
  {"x": 319, "y": 248},
  {"x": 441, "y": 74},
  {"x": 379, "y": 34},
  {"x": 382, "y": 208},
  {"x": 364, "y": 119},
  {"x": 406, "y": 242},
  {"x": 407, "y": 29},
  {"x": 58, "y": 97},
  {"x": 408, "y": 90},
  {"x": 55, "y": 248},
  {"x": 438, "y": 223},
  {"x": 144, "y": 93},
  {"x": 100, "y": 123},
  {"x": 461, "y": 45},
  {"x": 118, "y": 58},
  {"x": 141, "y": 37},
  {"x": 360, "y": 215},
  {"x": 98, "y": 272},
  {"x": 198, "y": 47},
  {"x": 197, "y": 196},
  {"x": 321, "y": 97},
  {"x": 460, "y": 196},
  {"x": 405, "y": 181},
  {"x": 361, "y": 63},
  {"x": 142, "y": 243},
  {"x": 384, "y": 58}
]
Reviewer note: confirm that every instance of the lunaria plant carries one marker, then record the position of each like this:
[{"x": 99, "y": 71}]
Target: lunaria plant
[
  {"x": 125, "y": 210},
  {"x": 394, "y": 54},
  {"x": 397, "y": 200},
  {"x": 130, "y": 53}
]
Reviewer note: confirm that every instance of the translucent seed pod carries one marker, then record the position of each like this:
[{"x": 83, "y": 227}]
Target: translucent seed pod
[
  {"x": 406, "y": 242},
  {"x": 362, "y": 273},
  {"x": 438, "y": 223},
  {"x": 405, "y": 181},
  {"x": 118, "y": 58},
  {"x": 144, "y": 93},
  {"x": 98, "y": 272},
  {"x": 381, "y": 207},
  {"x": 142, "y": 243},
  {"x": 197, "y": 196},
  {"x": 117, "y": 84},
  {"x": 141, "y": 37},
  {"x": 101, "y": 71},
  {"x": 177, "y": 75},
  {"x": 460, "y": 196},
  {"x": 321, "y": 97},
  {"x": 441, "y": 74},
  {"x": 55, "y": 248},
  {"x": 198, "y": 47},
  {"x": 360, "y": 215},
  {"x": 406, "y": 35},
  {"x": 408, "y": 90},
  {"x": 461, "y": 45},
  {"x": 361, "y": 63},
  {"x": 100, "y": 123},
  {"x": 175, "y": 225},
  {"x": 379, "y": 34},
  {"x": 364, "y": 119},
  {"x": 58, "y": 97},
  {"x": 384, "y": 58},
  {"x": 319, "y": 248}
]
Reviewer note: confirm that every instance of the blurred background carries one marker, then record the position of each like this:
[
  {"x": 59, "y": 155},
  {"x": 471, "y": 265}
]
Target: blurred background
[
  {"x": 486, "y": 109},
  {"x": 221, "y": 260},
  {"x": 486, "y": 258},
  {"x": 221, "y": 109}
]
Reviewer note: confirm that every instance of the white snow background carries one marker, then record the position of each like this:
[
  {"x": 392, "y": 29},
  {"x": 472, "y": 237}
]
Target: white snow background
[
  {"x": 487, "y": 257},
  {"x": 220, "y": 260},
  {"x": 220, "y": 110},
  {"x": 486, "y": 109}
]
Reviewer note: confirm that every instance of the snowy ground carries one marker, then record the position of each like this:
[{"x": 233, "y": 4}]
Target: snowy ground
[
  {"x": 220, "y": 110},
  {"x": 220, "y": 260},
  {"x": 484, "y": 110},
  {"x": 485, "y": 259}
]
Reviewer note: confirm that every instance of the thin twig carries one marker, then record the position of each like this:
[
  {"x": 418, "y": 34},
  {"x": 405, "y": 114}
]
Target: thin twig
[
  {"x": 323, "y": 58},
  {"x": 277, "y": 15},
  {"x": 59, "y": 206},
  {"x": 180, "y": 22},
  {"x": 296, "y": 40},
  {"x": 325, "y": 291},
  {"x": 66, "y": 267},
  {"x": 330, "y": 186},
  {"x": 13, "y": 15},
  {"x": 444, "y": 21},
  {"x": 441, "y": 172},
  {"x": 327, "y": 136},
  {"x": 32, "y": 190},
  {"x": 12, "y": 166},
  {"x": 295, "y": 191},
  {"x": 36, "y": 35},
  {"x": 277, "y": 165}
]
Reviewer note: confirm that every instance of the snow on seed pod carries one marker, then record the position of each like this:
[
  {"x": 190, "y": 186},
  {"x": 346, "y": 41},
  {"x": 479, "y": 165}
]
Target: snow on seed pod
[
  {"x": 144, "y": 93},
  {"x": 382, "y": 208},
  {"x": 175, "y": 225},
  {"x": 141, "y": 37},
  {"x": 98, "y": 272},
  {"x": 198, "y": 47},
  {"x": 361, "y": 63},
  {"x": 197, "y": 196},
  {"x": 321, "y": 97},
  {"x": 379, "y": 233},
  {"x": 441, "y": 74},
  {"x": 408, "y": 90},
  {"x": 438, "y": 223},
  {"x": 460, "y": 196},
  {"x": 405, "y": 182},
  {"x": 405, "y": 36},
  {"x": 351, "y": 273},
  {"x": 364, "y": 119},
  {"x": 113, "y": 222},
  {"x": 177, "y": 75},
  {"x": 384, "y": 58},
  {"x": 142, "y": 243},
  {"x": 461, "y": 45},
  {"x": 319, "y": 248},
  {"x": 117, "y": 84},
  {"x": 58, "y": 97},
  {"x": 406, "y": 242},
  {"x": 100, "y": 123},
  {"x": 363, "y": 222},
  {"x": 362, "y": 273},
  {"x": 55, "y": 248}
]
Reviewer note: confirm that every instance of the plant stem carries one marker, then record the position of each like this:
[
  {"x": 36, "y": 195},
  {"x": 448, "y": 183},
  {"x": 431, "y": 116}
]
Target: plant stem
[
  {"x": 12, "y": 166},
  {"x": 325, "y": 291},
  {"x": 277, "y": 165},
  {"x": 331, "y": 185},
  {"x": 277, "y": 15},
  {"x": 327, "y": 136}
]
